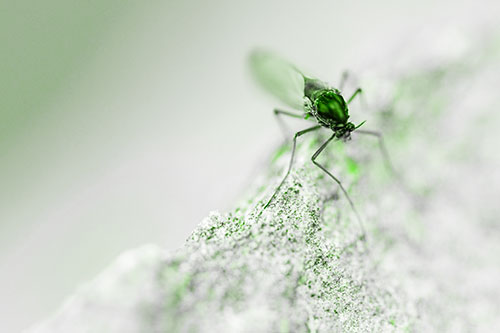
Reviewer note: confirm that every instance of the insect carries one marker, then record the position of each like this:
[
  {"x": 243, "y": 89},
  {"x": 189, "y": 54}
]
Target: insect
[{"x": 318, "y": 102}]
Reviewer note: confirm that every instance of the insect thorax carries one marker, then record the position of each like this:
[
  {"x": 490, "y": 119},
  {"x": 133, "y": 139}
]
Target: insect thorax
[{"x": 328, "y": 107}]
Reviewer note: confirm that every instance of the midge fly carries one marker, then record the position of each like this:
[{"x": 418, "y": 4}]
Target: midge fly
[{"x": 318, "y": 102}]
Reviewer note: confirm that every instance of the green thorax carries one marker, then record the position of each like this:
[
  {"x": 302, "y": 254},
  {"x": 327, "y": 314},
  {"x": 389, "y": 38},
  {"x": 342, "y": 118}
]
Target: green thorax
[{"x": 326, "y": 104}]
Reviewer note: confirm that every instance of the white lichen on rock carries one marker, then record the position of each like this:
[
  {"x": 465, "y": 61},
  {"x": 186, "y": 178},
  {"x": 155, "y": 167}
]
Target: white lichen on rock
[{"x": 300, "y": 266}]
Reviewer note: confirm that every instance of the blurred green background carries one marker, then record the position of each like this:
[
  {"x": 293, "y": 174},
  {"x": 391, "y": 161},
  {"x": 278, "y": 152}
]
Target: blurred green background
[{"x": 126, "y": 122}]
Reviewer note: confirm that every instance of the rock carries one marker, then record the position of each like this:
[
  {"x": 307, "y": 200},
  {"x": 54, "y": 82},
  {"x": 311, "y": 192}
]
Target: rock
[{"x": 429, "y": 261}]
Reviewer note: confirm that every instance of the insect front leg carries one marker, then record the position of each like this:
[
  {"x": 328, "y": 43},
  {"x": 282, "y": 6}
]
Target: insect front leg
[
  {"x": 358, "y": 91},
  {"x": 307, "y": 130},
  {"x": 284, "y": 128},
  {"x": 313, "y": 158}
]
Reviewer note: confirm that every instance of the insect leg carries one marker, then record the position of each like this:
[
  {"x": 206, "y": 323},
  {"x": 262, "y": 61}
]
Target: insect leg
[
  {"x": 402, "y": 185},
  {"x": 388, "y": 163},
  {"x": 313, "y": 158},
  {"x": 358, "y": 91},
  {"x": 284, "y": 129},
  {"x": 343, "y": 79},
  {"x": 331, "y": 197},
  {"x": 307, "y": 130},
  {"x": 383, "y": 148}
]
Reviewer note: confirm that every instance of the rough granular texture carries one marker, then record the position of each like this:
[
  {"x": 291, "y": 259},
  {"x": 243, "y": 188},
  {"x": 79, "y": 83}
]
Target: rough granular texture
[
  {"x": 278, "y": 272},
  {"x": 430, "y": 259}
]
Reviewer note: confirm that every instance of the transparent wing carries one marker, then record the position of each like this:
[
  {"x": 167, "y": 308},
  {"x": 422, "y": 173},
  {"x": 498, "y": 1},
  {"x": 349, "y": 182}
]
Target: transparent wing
[{"x": 279, "y": 77}]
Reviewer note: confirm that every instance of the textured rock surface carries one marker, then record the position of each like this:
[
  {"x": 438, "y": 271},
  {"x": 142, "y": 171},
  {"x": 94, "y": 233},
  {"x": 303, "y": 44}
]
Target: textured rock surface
[{"x": 430, "y": 262}]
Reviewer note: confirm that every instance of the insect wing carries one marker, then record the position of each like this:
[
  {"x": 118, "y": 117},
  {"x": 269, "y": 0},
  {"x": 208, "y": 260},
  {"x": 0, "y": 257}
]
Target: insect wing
[{"x": 279, "y": 77}]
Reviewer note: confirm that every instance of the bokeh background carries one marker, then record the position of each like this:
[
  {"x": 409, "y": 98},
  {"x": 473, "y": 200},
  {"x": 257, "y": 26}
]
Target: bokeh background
[{"x": 126, "y": 122}]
